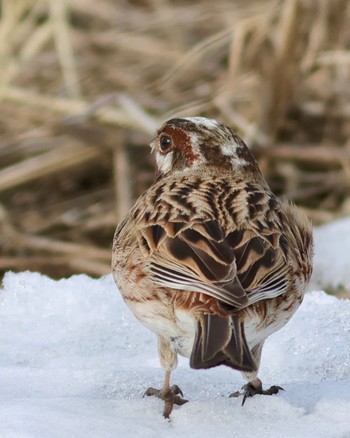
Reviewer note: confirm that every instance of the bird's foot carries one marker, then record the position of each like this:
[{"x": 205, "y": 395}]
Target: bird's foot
[
  {"x": 171, "y": 397},
  {"x": 251, "y": 389}
]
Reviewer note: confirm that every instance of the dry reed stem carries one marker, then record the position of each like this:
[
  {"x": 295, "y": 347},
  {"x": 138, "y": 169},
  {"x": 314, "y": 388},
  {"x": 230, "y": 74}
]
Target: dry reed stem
[
  {"x": 326, "y": 156},
  {"x": 60, "y": 247},
  {"x": 46, "y": 164},
  {"x": 80, "y": 265},
  {"x": 122, "y": 182},
  {"x": 317, "y": 36},
  {"x": 148, "y": 123},
  {"x": 278, "y": 72},
  {"x": 34, "y": 43},
  {"x": 61, "y": 28},
  {"x": 193, "y": 56},
  {"x": 91, "y": 267},
  {"x": 282, "y": 79},
  {"x": 77, "y": 108},
  {"x": 10, "y": 16}
]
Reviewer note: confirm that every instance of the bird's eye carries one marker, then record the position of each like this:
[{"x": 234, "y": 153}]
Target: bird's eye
[{"x": 165, "y": 142}]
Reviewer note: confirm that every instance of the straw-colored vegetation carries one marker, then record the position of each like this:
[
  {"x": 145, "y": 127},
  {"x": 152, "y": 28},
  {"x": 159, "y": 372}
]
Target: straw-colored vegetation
[{"x": 84, "y": 84}]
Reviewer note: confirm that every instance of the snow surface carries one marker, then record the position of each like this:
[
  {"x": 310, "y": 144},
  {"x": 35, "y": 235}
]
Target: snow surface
[
  {"x": 332, "y": 255},
  {"x": 74, "y": 362}
]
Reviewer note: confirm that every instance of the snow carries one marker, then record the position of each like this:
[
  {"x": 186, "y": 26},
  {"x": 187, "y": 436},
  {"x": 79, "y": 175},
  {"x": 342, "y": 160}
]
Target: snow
[
  {"x": 74, "y": 362},
  {"x": 332, "y": 255}
]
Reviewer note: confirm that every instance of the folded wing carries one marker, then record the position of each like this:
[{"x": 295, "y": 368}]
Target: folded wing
[{"x": 238, "y": 269}]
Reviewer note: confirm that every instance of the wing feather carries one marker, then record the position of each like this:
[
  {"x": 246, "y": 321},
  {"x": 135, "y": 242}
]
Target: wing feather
[
  {"x": 202, "y": 260},
  {"x": 239, "y": 267}
]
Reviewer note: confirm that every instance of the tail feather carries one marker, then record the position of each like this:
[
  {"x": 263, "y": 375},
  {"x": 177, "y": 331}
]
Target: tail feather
[{"x": 221, "y": 341}]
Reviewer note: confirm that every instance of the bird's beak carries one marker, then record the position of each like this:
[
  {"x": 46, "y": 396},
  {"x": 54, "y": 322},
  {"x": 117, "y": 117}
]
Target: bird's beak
[{"x": 153, "y": 144}]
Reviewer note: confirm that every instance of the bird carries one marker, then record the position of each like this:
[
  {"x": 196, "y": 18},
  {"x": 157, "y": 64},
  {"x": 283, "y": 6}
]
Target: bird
[{"x": 208, "y": 258}]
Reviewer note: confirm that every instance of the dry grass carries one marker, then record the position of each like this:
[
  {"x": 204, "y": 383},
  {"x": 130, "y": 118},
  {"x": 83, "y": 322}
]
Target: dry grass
[{"x": 84, "y": 84}]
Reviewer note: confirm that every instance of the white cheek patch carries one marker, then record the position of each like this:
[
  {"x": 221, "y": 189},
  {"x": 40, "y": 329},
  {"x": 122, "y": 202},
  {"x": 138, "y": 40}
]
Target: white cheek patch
[
  {"x": 196, "y": 149},
  {"x": 164, "y": 162},
  {"x": 230, "y": 150}
]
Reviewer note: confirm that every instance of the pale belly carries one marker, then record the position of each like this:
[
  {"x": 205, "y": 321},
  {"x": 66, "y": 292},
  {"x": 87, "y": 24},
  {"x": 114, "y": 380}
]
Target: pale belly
[
  {"x": 178, "y": 326},
  {"x": 154, "y": 308}
]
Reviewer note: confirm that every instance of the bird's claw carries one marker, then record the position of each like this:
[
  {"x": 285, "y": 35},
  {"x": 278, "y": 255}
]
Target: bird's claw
[
  {"x": 176, "y": 390},
  {"x": 170, "y": 398},
  {"x": 250, "y": 390}
]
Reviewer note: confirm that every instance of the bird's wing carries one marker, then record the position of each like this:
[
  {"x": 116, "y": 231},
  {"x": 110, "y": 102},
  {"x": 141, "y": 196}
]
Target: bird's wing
[{"x": 238, "y": 269}]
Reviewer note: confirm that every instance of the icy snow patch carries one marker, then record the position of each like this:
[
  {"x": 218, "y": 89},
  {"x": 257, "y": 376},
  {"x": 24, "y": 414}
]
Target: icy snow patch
[
  {"x": 332, "y": 255},
  {"x": 74, "y": 362}
]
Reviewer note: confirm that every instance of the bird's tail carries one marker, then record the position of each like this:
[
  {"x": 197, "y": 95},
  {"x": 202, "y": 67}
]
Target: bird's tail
[{"x": 221, "y": 341}]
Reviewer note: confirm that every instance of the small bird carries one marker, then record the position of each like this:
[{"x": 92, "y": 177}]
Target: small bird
[{"x": 208, "y": 258}]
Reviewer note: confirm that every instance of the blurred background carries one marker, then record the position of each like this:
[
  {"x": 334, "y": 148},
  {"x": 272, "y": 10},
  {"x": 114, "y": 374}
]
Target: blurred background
[{"x": 85, "y": 84}]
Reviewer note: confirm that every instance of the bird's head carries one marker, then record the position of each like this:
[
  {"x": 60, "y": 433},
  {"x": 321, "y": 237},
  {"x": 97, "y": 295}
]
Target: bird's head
[{"x": 198, "y": 143}]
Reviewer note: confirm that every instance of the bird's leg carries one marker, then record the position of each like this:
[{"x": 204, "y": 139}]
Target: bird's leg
[
  {"x": 255, "y": 387},
  {"x": 169, "y": 394}
]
